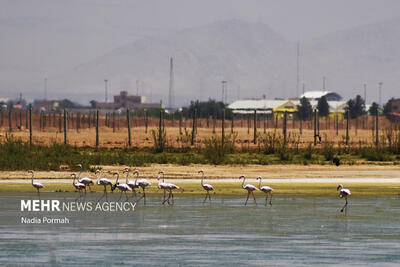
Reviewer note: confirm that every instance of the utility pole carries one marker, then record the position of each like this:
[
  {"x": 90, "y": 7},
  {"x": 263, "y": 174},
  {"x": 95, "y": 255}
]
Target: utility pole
[
  {"x": 298, "y": 69},
  {"x": 171, "y": 103},
  {"x": 365, "y": 92},
  {"x": 45, "y": 88},
  {"x": 105, "y": 91},
  {"x": 380, "y": 93},
  {"x": 223, "y": 91},
  {"x": 323, "y": 83},
  {"x": 304, "y": 87},
  {"x": 137, "y": 87}
]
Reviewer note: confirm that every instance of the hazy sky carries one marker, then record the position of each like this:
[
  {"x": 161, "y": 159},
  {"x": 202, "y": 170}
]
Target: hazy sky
[{"x": 43, "y": 37}]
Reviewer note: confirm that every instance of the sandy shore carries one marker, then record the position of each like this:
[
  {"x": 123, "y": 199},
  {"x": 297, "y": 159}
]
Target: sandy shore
[{"x": 312, "y": 173}]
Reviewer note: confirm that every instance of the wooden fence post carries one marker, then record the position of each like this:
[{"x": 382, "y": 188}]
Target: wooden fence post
[
  {"x": 97, "y": 129},
  {"x": 128, "y": 120},
  {"x": 315, "y": 127},
  {"x": 65, "y": 127},
  {"x": 232, "y": 123},
  {"x": 223, "y": 127},
  {"x": 193, "y": 126},
  {"x": 347, "y": 127},
  {"x": 255, "y": 126},
  {"x": 27, "y": 118},
  {"x": 113, "y": 121},
  {"x": 284, "y": 127},
  {"x": 214, "y": 122},
  {"x": 377, "y": 128},
  {"x": 180, "y": 123},
  {"x": 9, "y": 120},
  {"x": 30, "y": 126}
]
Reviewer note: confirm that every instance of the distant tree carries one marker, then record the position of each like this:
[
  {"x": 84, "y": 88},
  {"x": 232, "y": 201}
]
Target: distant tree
[
  {"x": 323, "y": 107},
  {"x": 206, "y": 109},
  {"x": 356, "y": 107},
  {"x": 387, "y": 108},
  {"x": 66, "y": 103},
  {"x": 93, "y": 103},
  {"x": 373, "y": 109},
  {"x": 304, "y": 109}
]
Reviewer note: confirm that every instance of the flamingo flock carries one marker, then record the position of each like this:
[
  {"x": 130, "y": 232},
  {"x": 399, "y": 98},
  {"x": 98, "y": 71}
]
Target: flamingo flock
[{"x": 80, "y": 185}]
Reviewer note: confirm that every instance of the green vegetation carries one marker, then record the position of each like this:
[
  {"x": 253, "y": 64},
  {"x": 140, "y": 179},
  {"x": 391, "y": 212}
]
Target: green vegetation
[{"x": 18, "y": 155}]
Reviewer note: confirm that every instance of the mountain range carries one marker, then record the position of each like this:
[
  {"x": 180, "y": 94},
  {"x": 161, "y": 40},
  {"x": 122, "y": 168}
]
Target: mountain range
[{"x": 253, "y": 59}]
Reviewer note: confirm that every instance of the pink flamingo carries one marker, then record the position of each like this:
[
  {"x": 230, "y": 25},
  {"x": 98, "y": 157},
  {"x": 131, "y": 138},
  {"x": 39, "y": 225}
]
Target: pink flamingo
[
  {"x": 267, "y": 190},
  {"x": 206, "y": 187},
  {"x": 344, "y": 192},
  {"x": 250, "y": 188},
  {"x": 36, "y": 185}
]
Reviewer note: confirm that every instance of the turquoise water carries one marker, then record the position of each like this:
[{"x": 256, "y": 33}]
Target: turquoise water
[{"x": 295, "y": 230}]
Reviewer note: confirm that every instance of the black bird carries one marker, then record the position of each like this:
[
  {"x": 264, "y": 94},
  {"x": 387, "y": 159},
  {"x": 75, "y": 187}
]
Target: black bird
[{"x": 336, "y": 161}]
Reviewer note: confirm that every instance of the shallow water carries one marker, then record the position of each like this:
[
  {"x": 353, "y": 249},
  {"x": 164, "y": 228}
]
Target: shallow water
[{"x": 295, "y": 230}]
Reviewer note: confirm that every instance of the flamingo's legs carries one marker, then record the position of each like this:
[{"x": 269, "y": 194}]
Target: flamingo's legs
[
  {"x": 255, "y": 201},
  {"x": 120, "y": 196},
  {"x": 104, "y": 194},
  {"x": 38, "y": 193},
  {"x": 205, "y": 198},
  {"x": 270, "y": 199},
  {"x": 345, "y": 205},
  {"x": 167, "y": 199},
  {"x": 248, "y": 194},
  {"x": 266, "y": 200},
  {"x": 143, "y": 196}
]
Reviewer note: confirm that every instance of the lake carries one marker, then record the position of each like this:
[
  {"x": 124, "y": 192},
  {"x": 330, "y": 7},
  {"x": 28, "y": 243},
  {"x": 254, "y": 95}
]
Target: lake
[{"x": 295, "y": 230}]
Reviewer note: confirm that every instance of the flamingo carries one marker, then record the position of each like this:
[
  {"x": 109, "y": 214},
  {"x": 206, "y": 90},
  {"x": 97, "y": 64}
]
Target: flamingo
[
  {"x": 170, "y": 187},
  {"x": 206, "y": 187},
  {"x": 250, "y": 188},
  {"x": 142, "y": 183},
  {"x": 162, "y": 185},
  {"x": 85, "y": 180},
  {"x": 132, "y": 184},
  {"x": 344, "y": 192},
  {"x": 78, "y": 186},
  {"x": 36, "y": 185},
  {"x": 267, "y": 190},
  {"x": 122, "y": 187},
  {"x": 104, "y": 182}
]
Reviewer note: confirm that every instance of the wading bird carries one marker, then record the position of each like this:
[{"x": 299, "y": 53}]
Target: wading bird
[
  {"x": 142, "y": 183},
  {"x": 78, "y": 186},
  {"x": 344, "y": 193},
  {"x": 170, "y": 187},
  {"x": 36, "y": 184},
  {"x": 85, "y": 180},
  {"x": 132, "y": 184},
  {"x": 267, "y": 190},
  {"x": 122, "y": 187},
  {"x": 104, "y": 182},
  {"x": 250, "y": 188},
  {"x": 206, "y": 187},
  {"x": 162, "y": 185}
]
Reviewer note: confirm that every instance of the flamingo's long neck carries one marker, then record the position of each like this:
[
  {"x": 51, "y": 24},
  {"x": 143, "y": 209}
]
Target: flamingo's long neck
[
  {"x": 202, "y": 178},
  {"x": 259, "y": 184},
  {"x": 137, "y": 176},
  {"x": 163, "y": 175},
  {"x": 98, "y": 177},
  {"x": 73, "y": 182},
  {"x": 127, "y": 176},
  {"x": 80, "y": 172},
  {"x": 32, "y": 177},
  {"x": 244, "y": 179},
  {"x": 117, "y": 178}
]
